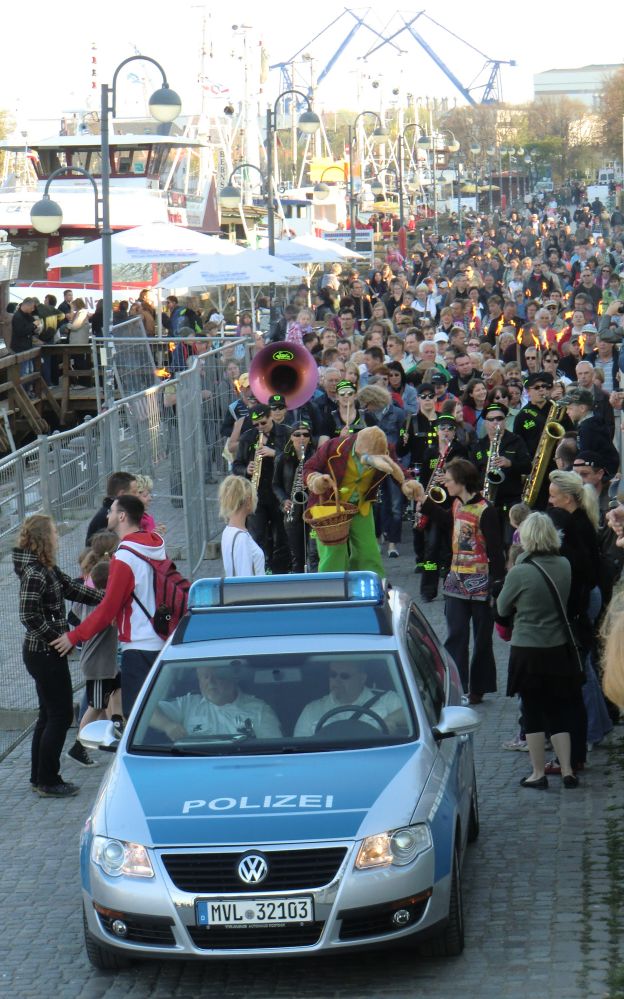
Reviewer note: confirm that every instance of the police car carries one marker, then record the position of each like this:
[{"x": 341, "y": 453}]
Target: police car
[{"x": 296, "y": 777}]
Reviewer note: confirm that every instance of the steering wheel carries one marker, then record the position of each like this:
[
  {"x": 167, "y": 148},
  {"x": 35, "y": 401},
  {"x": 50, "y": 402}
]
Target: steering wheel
[{"x": 358, "y": 711}]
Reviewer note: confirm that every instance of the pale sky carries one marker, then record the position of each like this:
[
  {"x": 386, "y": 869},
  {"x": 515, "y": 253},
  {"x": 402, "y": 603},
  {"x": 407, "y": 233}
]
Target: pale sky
[{"x": 45, "y": 69}]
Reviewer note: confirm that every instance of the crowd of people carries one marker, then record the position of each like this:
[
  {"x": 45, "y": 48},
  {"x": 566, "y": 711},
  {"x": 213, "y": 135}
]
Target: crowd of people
[{"x": 467, "y": 393}]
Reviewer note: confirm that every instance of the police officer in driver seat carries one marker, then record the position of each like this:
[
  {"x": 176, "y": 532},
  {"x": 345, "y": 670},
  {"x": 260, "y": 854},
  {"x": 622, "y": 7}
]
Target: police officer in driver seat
[
  {"x": 221, "y": 708},
  {"x": 347, "y": 686}
]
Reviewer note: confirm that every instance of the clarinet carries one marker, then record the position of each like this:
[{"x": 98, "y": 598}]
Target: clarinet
[{"x": 298, "y": 494}]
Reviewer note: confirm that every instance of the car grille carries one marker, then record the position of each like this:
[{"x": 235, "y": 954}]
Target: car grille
[
  {"x": 376, "y": 920},
  {"x": 256, "y": 937},
  {"x": 142, "y": 929},
  {"x": 210, "y": 873}
]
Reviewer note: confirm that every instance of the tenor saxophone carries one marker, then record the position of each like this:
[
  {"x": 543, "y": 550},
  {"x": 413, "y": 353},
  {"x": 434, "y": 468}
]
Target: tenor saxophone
[
  {"x": 433, "y": 491},
  {"x": 552, "y": 433}
]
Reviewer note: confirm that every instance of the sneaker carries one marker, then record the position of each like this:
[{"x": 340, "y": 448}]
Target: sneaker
[
  {"x": 61, "y": 790},
  {"x": 516, "y": 744},
  {"x": 118, "y": 725},
  {"x": 79, "y": 755},
  {"x": 393, "y": 553}
]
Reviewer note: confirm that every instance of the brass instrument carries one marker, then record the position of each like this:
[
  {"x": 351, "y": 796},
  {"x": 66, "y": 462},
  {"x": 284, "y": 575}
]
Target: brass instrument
[
  {"x": 298, "y": 494},
  {"x": 494, "y": 477},
  {"x": 284, "y": 369},
  {"x": 257, "y": 465},
  {"x": 552, "y": 433},
  {"x": 434, "y": 492}
]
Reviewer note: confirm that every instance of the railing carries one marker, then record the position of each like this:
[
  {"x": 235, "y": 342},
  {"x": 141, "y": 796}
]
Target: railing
[{"x": 172, "y": 432}]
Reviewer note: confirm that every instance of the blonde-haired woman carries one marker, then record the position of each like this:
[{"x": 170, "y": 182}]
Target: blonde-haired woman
[
  {"x": 541, "y": 669},
  {"x": 44, "y": 588},
  {"x": 240, "y": 553}
]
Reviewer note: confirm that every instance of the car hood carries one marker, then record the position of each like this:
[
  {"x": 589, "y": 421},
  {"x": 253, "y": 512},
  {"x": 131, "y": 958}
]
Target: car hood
[{"x": 337, "y": 795}]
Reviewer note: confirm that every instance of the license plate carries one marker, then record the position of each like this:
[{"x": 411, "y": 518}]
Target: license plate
[{"x": 253, "y": 911}]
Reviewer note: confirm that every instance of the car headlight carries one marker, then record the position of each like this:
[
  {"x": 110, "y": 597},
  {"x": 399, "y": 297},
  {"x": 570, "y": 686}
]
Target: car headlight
[
  {"x": 398, "y": 847},
  {"x": 117, "y": 857}
]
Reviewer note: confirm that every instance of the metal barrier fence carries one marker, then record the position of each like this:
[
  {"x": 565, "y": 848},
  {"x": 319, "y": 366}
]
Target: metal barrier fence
[{"x": 171, "y": 432}]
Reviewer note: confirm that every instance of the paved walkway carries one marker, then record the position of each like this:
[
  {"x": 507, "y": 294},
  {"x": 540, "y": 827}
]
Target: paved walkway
[{"x": 543, "y": 893}]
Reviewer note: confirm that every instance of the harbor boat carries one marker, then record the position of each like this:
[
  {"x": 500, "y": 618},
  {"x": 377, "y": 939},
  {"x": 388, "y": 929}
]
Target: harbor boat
[{"x": 154, "y": 177}]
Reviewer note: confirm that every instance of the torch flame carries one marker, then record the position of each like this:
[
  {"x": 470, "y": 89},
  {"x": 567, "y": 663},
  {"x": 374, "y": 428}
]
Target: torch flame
[
  {"x": 600, "y": 307},
  {"x": 582, "y": 340},
  {"x": 162, "y": 373}
]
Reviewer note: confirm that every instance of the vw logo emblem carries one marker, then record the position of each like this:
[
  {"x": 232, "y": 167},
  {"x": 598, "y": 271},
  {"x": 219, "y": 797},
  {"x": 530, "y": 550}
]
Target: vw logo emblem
[{"x": 253, "y": 868}]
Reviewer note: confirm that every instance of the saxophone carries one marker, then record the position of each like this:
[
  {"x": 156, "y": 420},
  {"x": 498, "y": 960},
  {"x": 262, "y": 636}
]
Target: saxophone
[
  {"x": 257, "y": 465},
  {"x": 494, "y": 477},
  {"x": 298, "y": 494},
  {"x": 553, "y": 431},
  {"x": 434, "y": 492}
]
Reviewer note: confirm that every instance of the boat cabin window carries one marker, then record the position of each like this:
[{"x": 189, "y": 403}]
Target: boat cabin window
[{"x": 130, "y": 162}]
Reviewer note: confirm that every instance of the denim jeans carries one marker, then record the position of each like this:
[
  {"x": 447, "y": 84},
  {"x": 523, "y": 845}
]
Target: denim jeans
[{"x": 54, "y": 691}]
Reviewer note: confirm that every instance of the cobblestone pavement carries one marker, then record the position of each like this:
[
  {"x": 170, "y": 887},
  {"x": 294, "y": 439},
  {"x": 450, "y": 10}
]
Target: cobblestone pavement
[{"x": 543, "y": 888}]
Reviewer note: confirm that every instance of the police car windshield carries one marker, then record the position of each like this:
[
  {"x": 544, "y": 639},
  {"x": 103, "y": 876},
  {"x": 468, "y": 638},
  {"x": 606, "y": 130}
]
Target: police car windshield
[{"x": 280, "y": 703}]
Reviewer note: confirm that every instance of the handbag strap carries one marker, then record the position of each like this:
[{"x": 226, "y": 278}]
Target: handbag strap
[
  {"x": 556, "y": 597},
  {"x": 232, "y": 555}
]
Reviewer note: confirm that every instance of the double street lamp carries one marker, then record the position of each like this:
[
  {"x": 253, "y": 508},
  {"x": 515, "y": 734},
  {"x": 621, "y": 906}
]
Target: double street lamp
[
  {"x": 308, "y": 123},
  {"x": 47, "y": 216},
  {"x": 431, "y": 142},
  {"x": 379, "y": 135}
]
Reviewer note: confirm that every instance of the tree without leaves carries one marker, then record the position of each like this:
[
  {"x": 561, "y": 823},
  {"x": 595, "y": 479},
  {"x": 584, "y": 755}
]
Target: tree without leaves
[{"x": 611, "y": 111}]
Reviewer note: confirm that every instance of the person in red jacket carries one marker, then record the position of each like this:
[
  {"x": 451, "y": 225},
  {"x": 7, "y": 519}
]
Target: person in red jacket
[{"x": 129, "y": 574}]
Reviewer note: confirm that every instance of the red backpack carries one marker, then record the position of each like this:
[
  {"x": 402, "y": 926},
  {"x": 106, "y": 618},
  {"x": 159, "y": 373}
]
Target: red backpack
[{"x": 170, "y": 594}]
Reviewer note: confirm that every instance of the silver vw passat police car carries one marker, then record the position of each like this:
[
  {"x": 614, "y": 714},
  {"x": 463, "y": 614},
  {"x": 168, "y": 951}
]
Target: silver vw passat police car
[{"x": 296, "y": 777}]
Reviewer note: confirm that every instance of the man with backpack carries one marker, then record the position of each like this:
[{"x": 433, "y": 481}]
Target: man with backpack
[{"x": 145, "y": 595}]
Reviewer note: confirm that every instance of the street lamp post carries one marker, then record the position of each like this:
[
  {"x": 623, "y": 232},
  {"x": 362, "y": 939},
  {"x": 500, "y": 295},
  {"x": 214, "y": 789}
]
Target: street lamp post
[
  {"x": 400, "y": 140},
  {"x": 430, "y": 142},
  {"x": 380, "y": 134},
  {"x": 309, "y": 122},
  {"x": 230, "y": 195},
  {"x": 321, "y": 190},
  {"x": 164, "y": 106},
  {"x": 491, "y": 152}
]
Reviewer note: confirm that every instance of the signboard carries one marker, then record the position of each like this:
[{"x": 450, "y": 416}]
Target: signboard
[{"x": 364, "y": 241}]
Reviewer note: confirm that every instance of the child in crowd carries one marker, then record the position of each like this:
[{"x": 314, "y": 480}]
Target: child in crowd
[
  {"x": 517, "y": 514},
  {"x": 144, "y": 486},
  {"x": 98, "y": 661}
]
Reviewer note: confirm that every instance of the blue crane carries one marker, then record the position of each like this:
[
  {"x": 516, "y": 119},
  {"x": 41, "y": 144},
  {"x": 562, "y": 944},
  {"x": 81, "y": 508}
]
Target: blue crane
[
  {"x": 491, "y": 89},
  {"x": 285, "y": 67}
]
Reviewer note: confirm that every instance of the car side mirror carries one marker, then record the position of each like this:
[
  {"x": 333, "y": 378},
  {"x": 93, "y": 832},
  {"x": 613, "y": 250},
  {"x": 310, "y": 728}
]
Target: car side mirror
[
  {"x": 454, "y": 721},
  {"x": 99, "y": 735}
]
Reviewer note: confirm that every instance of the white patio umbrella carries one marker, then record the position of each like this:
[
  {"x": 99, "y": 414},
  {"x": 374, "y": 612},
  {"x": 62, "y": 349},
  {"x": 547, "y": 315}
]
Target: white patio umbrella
[
  {"x": 314, "y": 242},
  {"x": 296, "y": 252},
  {"x": 249, "y": 267},
  {"x": 154, "y": 243}
]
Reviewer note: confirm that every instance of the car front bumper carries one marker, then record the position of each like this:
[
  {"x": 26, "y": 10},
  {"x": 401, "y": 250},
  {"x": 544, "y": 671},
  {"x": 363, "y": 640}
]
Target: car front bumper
[{"x": 156, "y": 918}]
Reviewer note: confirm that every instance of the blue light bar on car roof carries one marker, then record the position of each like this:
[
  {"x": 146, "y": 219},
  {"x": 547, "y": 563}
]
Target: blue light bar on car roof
[{"x": 320, "y": 587}]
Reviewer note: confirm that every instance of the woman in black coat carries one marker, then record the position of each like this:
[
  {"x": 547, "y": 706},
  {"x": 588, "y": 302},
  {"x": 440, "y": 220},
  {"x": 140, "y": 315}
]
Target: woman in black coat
[{"x": 290, "y": 493}]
